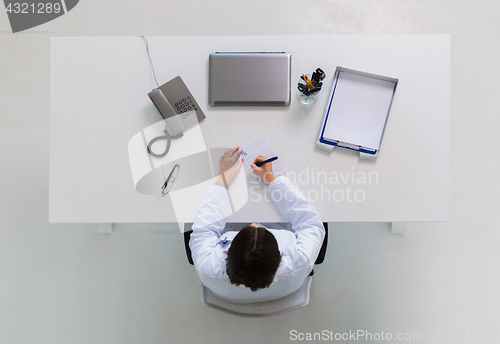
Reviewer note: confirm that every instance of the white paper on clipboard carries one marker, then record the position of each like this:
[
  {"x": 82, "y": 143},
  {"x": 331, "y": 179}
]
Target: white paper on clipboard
[{"x": 359, "y": 110}]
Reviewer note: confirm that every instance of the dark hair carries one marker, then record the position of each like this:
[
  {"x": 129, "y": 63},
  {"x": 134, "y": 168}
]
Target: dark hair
[{"x": 253, "y": 258}]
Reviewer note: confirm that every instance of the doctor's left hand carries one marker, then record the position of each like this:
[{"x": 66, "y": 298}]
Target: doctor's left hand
[{"x": 228, "y": 166}]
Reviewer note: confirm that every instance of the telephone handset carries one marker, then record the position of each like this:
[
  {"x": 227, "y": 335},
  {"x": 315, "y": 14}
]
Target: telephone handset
[
  {"x": 173, "y": 121},
  {"x": 179, "y": 109},
  {"x": 166, "y": 111}
]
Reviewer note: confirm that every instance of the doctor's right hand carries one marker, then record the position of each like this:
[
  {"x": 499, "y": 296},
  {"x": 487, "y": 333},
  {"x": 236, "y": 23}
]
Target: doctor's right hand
[{"x": 265, "y": 171}]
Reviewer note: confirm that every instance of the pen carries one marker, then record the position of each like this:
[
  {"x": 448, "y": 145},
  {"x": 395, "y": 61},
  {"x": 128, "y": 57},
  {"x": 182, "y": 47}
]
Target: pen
[
  {"x": 259, "y": 164},
  {"x": 309, "y": 83}
]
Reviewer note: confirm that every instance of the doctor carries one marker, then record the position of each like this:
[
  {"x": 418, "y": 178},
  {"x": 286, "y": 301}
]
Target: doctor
[{"x": 255, "y": 264}]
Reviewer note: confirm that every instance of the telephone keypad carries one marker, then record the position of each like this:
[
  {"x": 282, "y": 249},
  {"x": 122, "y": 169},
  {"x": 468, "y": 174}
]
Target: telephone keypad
[{"x": 185, "y": 107}]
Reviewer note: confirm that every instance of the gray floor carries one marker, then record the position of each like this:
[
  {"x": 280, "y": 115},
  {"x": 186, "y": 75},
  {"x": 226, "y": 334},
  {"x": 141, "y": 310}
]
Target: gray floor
[{"x": 68, "y": 284}]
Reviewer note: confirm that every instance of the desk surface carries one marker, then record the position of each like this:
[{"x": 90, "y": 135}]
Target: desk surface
[{"x": 99, "y": 101}]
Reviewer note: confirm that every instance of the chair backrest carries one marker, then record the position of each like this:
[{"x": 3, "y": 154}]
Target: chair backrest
[{"x": 295, "y": 300}]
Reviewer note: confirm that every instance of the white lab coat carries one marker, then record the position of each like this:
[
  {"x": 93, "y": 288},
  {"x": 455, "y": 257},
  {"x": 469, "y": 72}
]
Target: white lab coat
[{"x": 299, "y": 250}]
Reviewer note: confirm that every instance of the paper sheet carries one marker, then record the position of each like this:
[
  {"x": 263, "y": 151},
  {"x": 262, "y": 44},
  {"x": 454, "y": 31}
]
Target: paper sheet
[{"x": 260, "y": 147}]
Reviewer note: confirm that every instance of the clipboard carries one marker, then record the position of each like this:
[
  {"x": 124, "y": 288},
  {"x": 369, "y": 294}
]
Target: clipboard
[{"x": 357, "y": 111}]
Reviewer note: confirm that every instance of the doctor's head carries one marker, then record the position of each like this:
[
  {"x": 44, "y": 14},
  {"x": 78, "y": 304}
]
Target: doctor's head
[{"x": 253, "y": 258}]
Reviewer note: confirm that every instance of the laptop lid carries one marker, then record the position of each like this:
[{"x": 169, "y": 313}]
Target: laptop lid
[{"x": 249, "y": 78}]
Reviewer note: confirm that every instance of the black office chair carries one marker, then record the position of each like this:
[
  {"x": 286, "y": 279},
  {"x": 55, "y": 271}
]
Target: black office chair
[{"x": 319, "y": 260}]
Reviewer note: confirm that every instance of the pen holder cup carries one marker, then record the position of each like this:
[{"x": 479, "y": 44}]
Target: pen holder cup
[{"x": 307, "y": 97}]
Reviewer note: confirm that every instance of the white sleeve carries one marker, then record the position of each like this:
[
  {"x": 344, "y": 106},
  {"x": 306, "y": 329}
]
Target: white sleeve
[
  {"x": 209, "y": 222},
  {"x": 305, "y": 220}
]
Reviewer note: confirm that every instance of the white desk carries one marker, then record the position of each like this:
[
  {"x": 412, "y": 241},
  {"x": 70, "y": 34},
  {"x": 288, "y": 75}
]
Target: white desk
[{"x": 99, "y": 101}]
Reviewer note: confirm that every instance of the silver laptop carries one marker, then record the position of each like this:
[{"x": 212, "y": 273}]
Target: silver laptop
[{"x": 249, "y": 78}]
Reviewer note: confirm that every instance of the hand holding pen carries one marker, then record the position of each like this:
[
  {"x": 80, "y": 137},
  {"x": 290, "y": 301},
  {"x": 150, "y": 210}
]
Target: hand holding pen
[{"x": 263, "y": 167}]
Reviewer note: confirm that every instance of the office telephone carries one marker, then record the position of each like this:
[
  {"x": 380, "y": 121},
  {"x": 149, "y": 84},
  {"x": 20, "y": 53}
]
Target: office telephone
[{"x": 178, "y": 107}]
